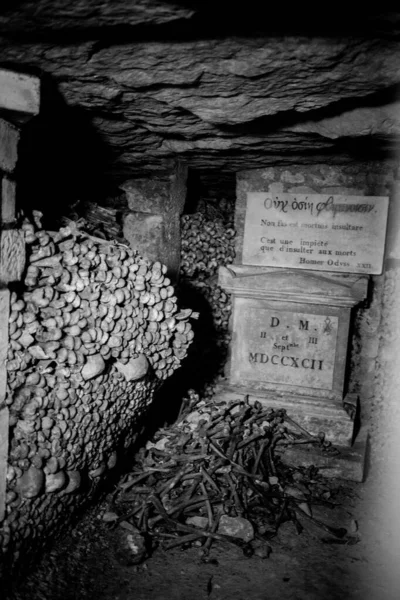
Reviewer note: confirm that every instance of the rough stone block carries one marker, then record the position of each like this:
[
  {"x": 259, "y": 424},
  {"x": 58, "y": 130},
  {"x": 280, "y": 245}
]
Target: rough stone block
[
  {"x": 162, "y": 200},
  {"x": 197, "y": 521},
  {"x": 237, "y": 527},
  {"x": 19, "y": 92},
  {"x": 146, "y": 195},
  {"x": 290, "y": 177},
  {"x": 9, "y": 139},
  {"x": 12, "y": 255},
  {"x": 145, "y": 233},
  {"x": 8, "y": 200}
]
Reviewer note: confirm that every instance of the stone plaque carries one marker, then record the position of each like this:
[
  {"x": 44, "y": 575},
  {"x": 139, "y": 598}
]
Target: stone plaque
[
  {"x": 314, "y": 231},
  {"x": 289, "y": 348}
]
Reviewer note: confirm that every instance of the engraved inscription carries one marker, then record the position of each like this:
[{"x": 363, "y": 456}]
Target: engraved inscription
[
  {"x": 288, "y": 348},
  {"x": 321, "y": 232}
]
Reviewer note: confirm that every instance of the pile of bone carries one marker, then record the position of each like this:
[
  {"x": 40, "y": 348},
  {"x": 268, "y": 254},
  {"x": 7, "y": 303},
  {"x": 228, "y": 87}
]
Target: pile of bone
[
  {"x": 94, "y": 328},
  {"x": 216, "y": 475},
  {"x": 221, "y": 308},
  {"x": 87, "y": 301},
  {"x": 206, "y": 244}
]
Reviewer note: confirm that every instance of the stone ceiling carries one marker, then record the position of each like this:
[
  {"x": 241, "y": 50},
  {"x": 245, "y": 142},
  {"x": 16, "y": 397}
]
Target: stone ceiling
[{"x": 130, "y": 86}]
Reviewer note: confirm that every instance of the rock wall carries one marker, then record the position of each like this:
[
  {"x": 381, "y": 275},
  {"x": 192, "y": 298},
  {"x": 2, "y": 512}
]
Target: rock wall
[
  {"x": 225, "y": 101},
  {"x": 385, "y": 408},
  {"x": 380, "y": 524}
]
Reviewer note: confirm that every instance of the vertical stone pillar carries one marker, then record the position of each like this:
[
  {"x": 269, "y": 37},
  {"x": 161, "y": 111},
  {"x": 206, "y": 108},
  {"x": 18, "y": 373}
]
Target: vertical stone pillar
[
  {"x": 9, "y": 140},
  {"x": 19, "y": 93},
  {"x": 4, "y": 311},
  {"x": 152, "y": 225},
  {"x": 7, "y": 273},
  {"x": 12, "y": 246},
  {"x": 7, "y": 219}
]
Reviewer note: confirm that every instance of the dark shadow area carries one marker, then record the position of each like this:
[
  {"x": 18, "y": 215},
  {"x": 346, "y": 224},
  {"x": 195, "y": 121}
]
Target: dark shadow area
[
  {"x": 339, "y": 152},
  {"x": 195, "y": 190},
  {"x": 207, "y": 186},
  {"x": 209, "y": 20},
  {"x": 61, "y": 159},
  {"x": 201, "y": 365},
  {"x": 206, "y": 354},
  {"x": 222, "y": 184}
]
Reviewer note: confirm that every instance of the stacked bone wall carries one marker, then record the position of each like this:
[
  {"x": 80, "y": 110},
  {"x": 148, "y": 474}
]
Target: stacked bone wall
[
  {"x": 207, "y": 242},
  {"x": 94, "y": 329}
]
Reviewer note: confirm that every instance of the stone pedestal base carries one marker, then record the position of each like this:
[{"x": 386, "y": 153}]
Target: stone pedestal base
[
  {"x": 315, "y": 416},
  {"x": 312, "y": 414},
  {"x": 348, "y": 463},
  {"x": 289, "y": 345}
]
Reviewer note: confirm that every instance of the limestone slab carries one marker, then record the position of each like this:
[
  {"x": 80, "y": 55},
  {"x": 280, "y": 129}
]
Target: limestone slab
[
  {"x": 12, "y": 255},
  {"x": 153, "y": 228},
  {"x": 144, "y": 233},
  {"x": 9, "y": 140},
  {"x": 8, "y": 200},
  {"x": 12, "y": 245},
  {"x": 332, "y": 289},
  {"x": 146, "y": 195},
  {"x": 19, "y": 92},
  {"x": 291, "y": 348},
  {"x": 286, "y": 347},
  {"x": 324, "y": 232}
]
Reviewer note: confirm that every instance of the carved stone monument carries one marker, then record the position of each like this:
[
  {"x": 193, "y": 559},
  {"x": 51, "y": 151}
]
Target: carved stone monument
[
  {"x": 289, "y": 343},
  {"x": 302, "y": 264}
]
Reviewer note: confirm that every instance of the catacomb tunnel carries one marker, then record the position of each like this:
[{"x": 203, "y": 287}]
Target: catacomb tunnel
[{"x": 199, "y": 289}]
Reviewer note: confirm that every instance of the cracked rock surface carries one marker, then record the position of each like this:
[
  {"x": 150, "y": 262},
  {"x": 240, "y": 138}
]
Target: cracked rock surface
[{"x": 217, "y": 87}]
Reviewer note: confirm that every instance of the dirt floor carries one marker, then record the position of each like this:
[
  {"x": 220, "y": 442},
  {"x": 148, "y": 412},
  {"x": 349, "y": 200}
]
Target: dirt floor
[
  {"x": 89, "y": 563},
  {"x": 303, "y": 561}
]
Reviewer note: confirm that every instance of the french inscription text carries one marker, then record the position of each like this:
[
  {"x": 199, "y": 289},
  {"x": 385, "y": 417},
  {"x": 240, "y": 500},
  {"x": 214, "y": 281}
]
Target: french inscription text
[
  {"x": 322, "y": 232},
  {"x": 290, "y": 348}
]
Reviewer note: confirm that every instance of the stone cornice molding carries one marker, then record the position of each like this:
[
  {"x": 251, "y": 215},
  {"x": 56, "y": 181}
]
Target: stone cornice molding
[{"x": 291, "y": 285}]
